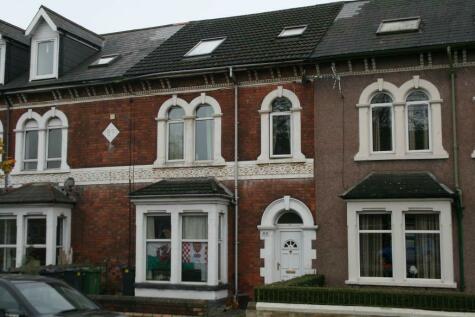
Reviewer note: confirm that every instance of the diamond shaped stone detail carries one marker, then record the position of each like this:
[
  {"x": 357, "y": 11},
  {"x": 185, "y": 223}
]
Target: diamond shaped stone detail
[{"x": 111, "y": 132}]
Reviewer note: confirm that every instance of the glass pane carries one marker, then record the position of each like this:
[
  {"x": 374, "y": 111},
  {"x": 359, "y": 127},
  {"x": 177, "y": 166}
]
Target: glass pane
[
  {"x": 7, "y": 231},
  {"x": 36, "y": 231},
  {"x": 205, "y": 47},
  {"x": 45, "y": 58},
  {"x": 36, "y": 256},
  {"x": 59, "y": 231},
  {"x": 423, "y": 255},
  {"x": 422, "y": 221},
  {"x": 195, "y": 227},
  {"x": 54, "y": 143},
  {"x": 7, "y": 301},
  {"x": 382, "y": 129},
  {"x": 175, "y": 141},
  {"x": 53, "y": 164},
  {"x": 290, "y": 218},
  {"x": 31, "y": 145},
  {"x": 418, "y": 127},
  {"x": 417, "y": 95},
  {"x": 281, "y": 135},
  {"x": 158, "y": 261},
  {"x": 281, "y": 104},
  {"x": 204, "y": 140},
  {"x": 375, "y": 222},
  {"x": 204, "y": 111},
  {"x": 7, "y": 259},
  {"x": 30, "y": 166},
  {"x": 194, "y": 262},
  {"x": 176, "y": 113},
  {"x": 159, "y": 227},
  {"x": 381, "y": 98},
  {"x": 376, "y": 255}
]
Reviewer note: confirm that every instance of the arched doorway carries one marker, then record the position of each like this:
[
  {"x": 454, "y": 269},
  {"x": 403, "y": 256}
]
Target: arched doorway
[{"x": 287, "y": 229}]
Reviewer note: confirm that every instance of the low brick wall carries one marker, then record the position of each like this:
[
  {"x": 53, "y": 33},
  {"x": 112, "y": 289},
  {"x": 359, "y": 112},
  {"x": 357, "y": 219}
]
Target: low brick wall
[{"x": 152, "y": 307}]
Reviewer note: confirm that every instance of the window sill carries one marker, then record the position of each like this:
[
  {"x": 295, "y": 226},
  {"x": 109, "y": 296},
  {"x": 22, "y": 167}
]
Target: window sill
[
  {"x": 281, "y": 160},
  {"x": 407, "y": 156},
  {"x": 405, "y": 283},
  {"x": 194, "y": 164},
  {"x": 183, "y": 287},
  {"x": 63, "y": 171}
]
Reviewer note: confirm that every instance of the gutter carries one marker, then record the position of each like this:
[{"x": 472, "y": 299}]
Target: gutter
[{"x": 456, "y": 169}]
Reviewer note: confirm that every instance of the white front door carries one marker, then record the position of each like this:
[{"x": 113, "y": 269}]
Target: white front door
[{"x": 290, "y": 264}]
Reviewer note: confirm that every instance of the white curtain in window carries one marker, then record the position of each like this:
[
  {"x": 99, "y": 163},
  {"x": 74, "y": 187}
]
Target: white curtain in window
[{"x": 195, "y": 227}]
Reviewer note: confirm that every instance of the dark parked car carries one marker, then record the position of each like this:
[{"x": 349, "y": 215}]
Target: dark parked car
[{"x": 33, "y": 296}]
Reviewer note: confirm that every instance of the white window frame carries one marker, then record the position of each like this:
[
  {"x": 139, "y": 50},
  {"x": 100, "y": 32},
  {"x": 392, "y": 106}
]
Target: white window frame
[
  {"x": 3, "y": 60},
  {"x": 398, "y": 209},
  {"x": 402, "y": 29},
  {"x": 169, "y": 123},
  {"x": 24, "y": 160},
  {"x": 219, "y": 41},
  {"x": 25, "y": 233},
  {"x": 212, "y": 136},
  {"x": 266, "y": 156},
  {"x": 7, "y": 246},
  {"x": 189, "y": 134},
  {"x": 303, "y": 28},
  {"x": 271, "y": 134},
  {"x": 156, "y": 214},
  {"x": 42, "y": 122},
  {"x": 400, "y": 144},
  {"x": 51, "y": 159},
  {"x": 381, "y": 105},
  {"x": 202, "y": 214},
  {"x": 34, "y": 58},
  {"x": 429, "y": 116},
  {"x": 212, "y": 208}
]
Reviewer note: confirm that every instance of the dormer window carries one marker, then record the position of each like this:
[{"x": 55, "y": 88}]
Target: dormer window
[
  {"x": 293, "y": 31},
  {"x": 205, "y": 47},
  {"x": 44, "y": 59},
  {"x": 104, "y": 60}
]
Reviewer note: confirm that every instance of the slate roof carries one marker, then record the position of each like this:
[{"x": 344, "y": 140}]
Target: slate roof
[
  {"x": 131, "y": 45},
  {"x": 184, "y": 187},
  {"x": 13, "y": 32},
  {"x": 443, "y": 22},
  {"x": 393, "y": 185},
  {"x": 250, "y": 39},
  {"x": 35, "y": 193},
  {"x": 73, "y": 28}
]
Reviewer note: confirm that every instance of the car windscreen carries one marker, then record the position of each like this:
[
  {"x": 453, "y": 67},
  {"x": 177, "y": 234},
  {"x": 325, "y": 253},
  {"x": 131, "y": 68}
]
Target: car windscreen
[{"x": 53, "y": 298}]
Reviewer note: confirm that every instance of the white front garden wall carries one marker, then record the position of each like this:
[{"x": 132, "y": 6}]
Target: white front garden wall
[{"x": 211, "y": 290}]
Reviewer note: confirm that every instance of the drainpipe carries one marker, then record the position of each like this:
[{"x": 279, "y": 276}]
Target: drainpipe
[
  {"x": 236, "y": 185},
  {"x": 458, "y": 191}
]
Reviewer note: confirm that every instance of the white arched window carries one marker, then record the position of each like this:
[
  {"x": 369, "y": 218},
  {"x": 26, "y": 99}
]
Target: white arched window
[
  {"x": 176, "y": 134},
  {"x": 398, "y": 123},
  {"x": 280, "y": 127},
  {"x": 204, "y": 126},
  {"x": 30, "y": 147},
  {"x": 382, "y": 123},
  {"x": 190, "y": 136},
  {"x": 41, "y": 142}
]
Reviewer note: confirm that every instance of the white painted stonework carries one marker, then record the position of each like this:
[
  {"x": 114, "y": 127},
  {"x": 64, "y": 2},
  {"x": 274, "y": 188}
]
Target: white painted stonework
[
  {"x": 271, "y": 233},
  {"x": 111, "y": 132},
  {"x": 149, "y": 173},
  {"x": 399, "y": 94}
]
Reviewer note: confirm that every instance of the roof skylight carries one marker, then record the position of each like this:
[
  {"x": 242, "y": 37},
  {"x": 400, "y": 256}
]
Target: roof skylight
[
  {"x": 293, "y": 31},
  {"x": 399, "y": 25},
  {"x": 104, "y": 60},
  {"x": 205, "y": 47}
]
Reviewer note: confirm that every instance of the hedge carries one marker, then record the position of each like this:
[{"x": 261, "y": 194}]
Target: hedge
[
  {"x": 311, "y": 280},
  {"x": 455, "y": 302}
]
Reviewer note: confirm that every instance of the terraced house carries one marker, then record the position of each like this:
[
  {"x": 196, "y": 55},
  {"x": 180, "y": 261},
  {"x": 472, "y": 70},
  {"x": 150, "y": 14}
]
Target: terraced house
[{"x": 218, "y": 155}]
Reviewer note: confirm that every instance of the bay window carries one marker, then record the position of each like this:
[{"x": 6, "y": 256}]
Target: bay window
[
  {"x": 7, "y": 243},
  {"x": 176, "y": 134},
  {"x": 158, "y": 246},
  {"x": 35, "y": 242}
]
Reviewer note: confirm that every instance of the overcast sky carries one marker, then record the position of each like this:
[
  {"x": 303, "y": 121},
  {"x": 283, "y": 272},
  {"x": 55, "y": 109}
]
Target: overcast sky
[{"x": 104, "y": 16}]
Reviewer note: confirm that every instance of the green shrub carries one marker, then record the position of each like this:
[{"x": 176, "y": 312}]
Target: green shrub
[
  {"x": 456, "y": 302},
  {"x": 311, "y": 280}
]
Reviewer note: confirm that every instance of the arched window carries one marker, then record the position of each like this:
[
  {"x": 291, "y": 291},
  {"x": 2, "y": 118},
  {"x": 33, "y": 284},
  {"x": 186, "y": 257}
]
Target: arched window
[
  {"x": 290, "y": 218},
  {"x": 418, "y": 121},
  {"x": 54, "y": 131},
  {"x": 281, "y": 127},
  {"x": 204, "y": 126},
  {"x": 30, "y": 150},
  {"x": 176, "y": 134},
  {"x": 382, "y": 122}
]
